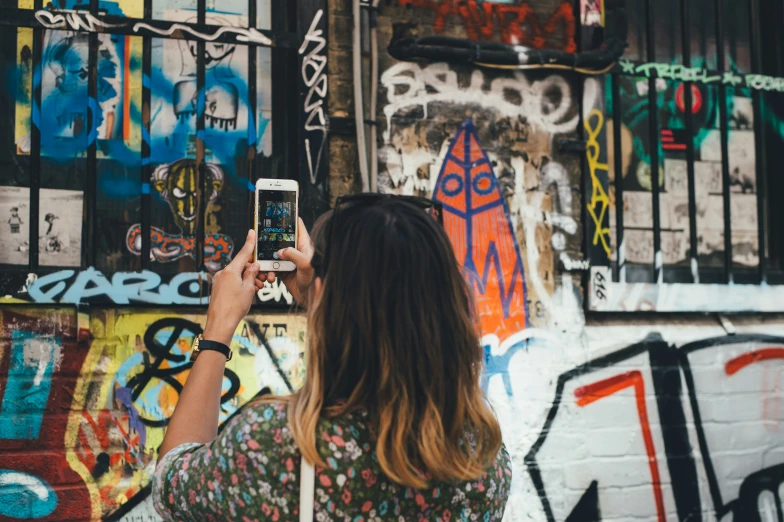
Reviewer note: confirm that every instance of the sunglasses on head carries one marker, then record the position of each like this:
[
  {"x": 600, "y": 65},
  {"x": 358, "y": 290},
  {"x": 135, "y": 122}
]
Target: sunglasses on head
[{"x": 433, "y": 208}]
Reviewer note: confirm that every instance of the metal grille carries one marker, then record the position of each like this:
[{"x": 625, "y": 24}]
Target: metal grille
[{"x": 88, "y": 85}]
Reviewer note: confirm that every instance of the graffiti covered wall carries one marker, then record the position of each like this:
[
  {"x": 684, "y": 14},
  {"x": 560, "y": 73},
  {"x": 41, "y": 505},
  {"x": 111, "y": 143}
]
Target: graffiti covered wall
[
  {"x": 605, "y": 419},
  {"x": 86, "y": 399}
]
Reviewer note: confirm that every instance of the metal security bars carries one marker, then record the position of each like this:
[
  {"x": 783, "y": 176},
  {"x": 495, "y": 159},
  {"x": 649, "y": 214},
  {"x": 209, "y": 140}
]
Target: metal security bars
[
  {"x": 149, "y": 213},
  {"x": 693, "y": 122}
]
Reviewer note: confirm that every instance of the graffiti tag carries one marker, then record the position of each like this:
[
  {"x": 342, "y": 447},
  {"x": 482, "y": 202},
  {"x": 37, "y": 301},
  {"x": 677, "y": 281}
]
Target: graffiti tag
[
  {"x": 546, "y": 102},
  {"x": 75, "y": 20},
  {"x": 681, "y": 73},
  {"x": 517, "y": 23},
  {"x": 242, "y": 34},
  {"x": 599, "y": 202},
  {"x": 91, "y": 285},
  {"x": 158, "y": 352},
  {"x": 314, "y": 75}
]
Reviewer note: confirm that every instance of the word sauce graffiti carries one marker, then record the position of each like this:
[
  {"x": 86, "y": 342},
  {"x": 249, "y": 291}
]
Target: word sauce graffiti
[
  {"x": 515, "y": 22},
  {"x": 546, "y": 103},
  {"x": 476, "y": 219}
]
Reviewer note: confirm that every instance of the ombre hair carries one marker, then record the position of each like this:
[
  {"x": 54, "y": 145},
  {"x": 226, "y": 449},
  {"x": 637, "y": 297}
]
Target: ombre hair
[{"x": 393, "y": 331}]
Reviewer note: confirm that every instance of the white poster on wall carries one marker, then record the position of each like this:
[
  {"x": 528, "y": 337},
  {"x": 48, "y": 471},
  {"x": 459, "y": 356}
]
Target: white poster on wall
[
  {"x": 60, "y": 227},
  {"x": 15, "y": 218}
]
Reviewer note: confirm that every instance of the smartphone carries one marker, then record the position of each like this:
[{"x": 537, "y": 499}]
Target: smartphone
[{"x": 276, "y": 222}]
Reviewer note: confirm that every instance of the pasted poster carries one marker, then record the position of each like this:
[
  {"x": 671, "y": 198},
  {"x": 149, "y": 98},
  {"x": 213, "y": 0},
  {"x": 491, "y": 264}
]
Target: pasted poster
[
  {"x": 592, "y": 23},
  {"x": 15, "y": 220},
  {"x": 65, "y": 104},
  {"x": 60, "y": 227},
  {"x": 228, "y": 123},
  {"x": 592, "y": 13},
  {"x": 64, "y": 90},
  {"x": 175, "y": 99}
]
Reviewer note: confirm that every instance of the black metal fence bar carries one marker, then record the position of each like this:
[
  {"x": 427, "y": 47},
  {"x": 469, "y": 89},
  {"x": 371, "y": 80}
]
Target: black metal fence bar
[
  {"x": 620, "y": 246},
  {"x": 35, "y": 144},
  {"x": 252, "y": 102},
  {"x": 760, "y": 152},
  {"x": 90, "y": 205},
  {"x": 201, "y": 72},
  {"x": 689, "y": 124},
  {"x": 146, "y": 170},
  {"x": 653, "y": 143},
  {"x": 724, "y": 141}
]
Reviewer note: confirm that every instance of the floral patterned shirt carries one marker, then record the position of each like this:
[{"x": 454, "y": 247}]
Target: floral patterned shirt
[{"x": 250, "y": 472}]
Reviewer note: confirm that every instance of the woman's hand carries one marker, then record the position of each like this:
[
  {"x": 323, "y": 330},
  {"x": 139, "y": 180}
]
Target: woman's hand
[
  {"x": 233, "y": 289},
  {"x": 298, "y": 280}
]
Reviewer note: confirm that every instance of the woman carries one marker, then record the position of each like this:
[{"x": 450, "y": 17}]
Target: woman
[{"x": 391, "y": 411}]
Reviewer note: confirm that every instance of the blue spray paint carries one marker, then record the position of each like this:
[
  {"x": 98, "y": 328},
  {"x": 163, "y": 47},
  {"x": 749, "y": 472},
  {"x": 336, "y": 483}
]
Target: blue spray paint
[
  {"x": 25, "y": 496},
  {"x": 33, "y": 358}
]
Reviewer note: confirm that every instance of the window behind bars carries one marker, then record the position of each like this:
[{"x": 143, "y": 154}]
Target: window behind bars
[
  {"x": 694, "y": 141},
  {"x": 133, "y": 133}
]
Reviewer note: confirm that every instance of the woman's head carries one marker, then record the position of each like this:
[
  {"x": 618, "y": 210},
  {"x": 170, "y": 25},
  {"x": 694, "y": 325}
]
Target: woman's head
[{"x": 392, "y": 330}]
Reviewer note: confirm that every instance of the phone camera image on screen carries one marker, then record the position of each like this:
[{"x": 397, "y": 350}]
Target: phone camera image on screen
[{"x": 277, "y": 222}]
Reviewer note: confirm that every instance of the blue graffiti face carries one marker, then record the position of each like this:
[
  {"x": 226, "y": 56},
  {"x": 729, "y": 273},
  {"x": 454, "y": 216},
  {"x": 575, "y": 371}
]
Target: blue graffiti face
[
  {"x": 66, "y": 58},
  {"x": 69, "y": 64}
]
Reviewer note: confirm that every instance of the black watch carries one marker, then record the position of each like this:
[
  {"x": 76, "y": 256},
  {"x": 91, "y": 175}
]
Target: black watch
[{"x": 200, "y": 344}]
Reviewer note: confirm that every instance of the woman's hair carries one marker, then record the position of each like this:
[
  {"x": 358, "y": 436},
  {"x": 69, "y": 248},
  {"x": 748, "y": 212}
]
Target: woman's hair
[{"x": 393, "y": 331}]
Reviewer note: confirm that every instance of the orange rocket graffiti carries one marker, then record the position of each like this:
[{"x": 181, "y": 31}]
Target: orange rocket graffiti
[{"x": 477, "y": 221}]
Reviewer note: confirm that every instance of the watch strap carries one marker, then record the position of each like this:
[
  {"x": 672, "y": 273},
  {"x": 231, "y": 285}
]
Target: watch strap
[{"x": 214, "y": 346}]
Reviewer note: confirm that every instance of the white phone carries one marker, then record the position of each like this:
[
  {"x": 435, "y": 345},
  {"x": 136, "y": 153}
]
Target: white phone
[{"x": 276, "y": 222}]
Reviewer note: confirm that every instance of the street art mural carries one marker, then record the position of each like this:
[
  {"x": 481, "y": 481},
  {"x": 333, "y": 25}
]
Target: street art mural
[
  {"x": 178, "y": 185},
  {"x": 477, "y": 221},
  {"x": 659, "y": 421},
  {"x": 484, "y": 144},
  {"x": 655, "y": 440},
  {"x": 150, "y": 145},
  {"x": 96, "y": 393},
  {"x": 520, "y": 182},
  {"x": 40, "y": 357}
]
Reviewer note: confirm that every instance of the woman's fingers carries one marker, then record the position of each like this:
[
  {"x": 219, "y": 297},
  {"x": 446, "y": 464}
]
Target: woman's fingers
[
  {"x": 295, "y": 256},
  {"x": 304, "y": 243},
  {"x": 264, "y": 277}
]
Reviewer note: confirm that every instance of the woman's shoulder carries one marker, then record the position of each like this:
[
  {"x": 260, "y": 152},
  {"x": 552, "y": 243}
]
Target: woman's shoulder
[
  {"x": 267, "y": 412},
  {"x": 262, "y": 421},
  {"x": 266, "y": 424}
]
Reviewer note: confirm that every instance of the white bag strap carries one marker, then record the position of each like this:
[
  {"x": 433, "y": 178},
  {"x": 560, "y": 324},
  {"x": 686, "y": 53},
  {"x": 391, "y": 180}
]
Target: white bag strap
[{"x": 307, "y": 491}]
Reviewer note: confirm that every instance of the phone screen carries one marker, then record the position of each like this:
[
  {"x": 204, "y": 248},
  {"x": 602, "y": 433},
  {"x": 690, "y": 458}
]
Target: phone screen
[{"x": 277, "y": 222}]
